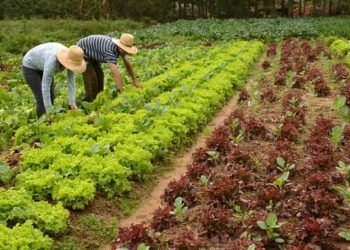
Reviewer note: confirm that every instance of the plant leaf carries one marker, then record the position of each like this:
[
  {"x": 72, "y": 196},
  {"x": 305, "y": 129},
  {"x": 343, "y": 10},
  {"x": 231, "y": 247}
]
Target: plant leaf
[
  {"x": 281, "y": 162},
  {"x": 279, "y": 240},
  {"x": 271, "y": 220},
  {"x": 345, "y": 235},
  {"x": 262, "y": 224}
]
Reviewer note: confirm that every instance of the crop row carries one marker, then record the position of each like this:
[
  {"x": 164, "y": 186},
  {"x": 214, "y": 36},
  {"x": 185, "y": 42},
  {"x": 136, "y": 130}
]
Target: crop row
[
  {"x": 106, "y": 152},
  {"x": 14, "y": 92},
  {"x": 268, "y": 178}
]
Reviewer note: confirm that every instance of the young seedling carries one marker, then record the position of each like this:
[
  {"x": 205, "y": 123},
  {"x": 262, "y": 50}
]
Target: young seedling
[
  {"x": 345, "y": 193},
  {"x": 270, "y": 226},
  {"x": 252, "y": 247},
  {"x": 239, "y": 214},
  {"x": 279, "y": 182},
  {"x": 272, "y": 206},
  {"x": 344, "y": 169},
  {"x": 345, "y": 235},
  {"x": 214, "y": 155},
  {"x": 239, "y": 137},
  {"x": 340, "y": 106},
  {"x": 337, "y": 135},
  {"x": 143, "y": 247},
  {"x": 290, "y": 113},
  {"x": 180, "y": 210},
  {"x": 283, "y": 166},
  {"x": 278, "y": 130},
  {"x": 293, "y": 102},
  {"x": 235, "y": 124},
  {"x": 205, "y": 181}
]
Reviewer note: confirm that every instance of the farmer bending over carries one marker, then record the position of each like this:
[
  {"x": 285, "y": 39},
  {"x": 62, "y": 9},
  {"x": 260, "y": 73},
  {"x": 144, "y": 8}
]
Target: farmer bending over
[
  {"x": 42, "y": 62},
  {"x": 104, "y": 49}
]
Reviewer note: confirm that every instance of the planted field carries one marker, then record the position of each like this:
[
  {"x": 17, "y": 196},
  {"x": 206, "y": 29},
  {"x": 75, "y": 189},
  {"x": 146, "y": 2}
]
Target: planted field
[
  {"x": 70, "y": 159},
  {"x": 275, "y": 174}
]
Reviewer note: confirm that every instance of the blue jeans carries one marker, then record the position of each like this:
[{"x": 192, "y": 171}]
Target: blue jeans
[{"x": 34, "y": 78}]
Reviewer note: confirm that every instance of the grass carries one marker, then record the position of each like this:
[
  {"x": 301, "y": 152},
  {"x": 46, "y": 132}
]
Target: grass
[{"x": 18, "y": 36}]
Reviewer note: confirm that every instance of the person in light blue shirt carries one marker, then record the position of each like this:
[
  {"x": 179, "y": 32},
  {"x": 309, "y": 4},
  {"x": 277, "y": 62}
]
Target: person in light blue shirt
[{"x": 42, "y": 62}]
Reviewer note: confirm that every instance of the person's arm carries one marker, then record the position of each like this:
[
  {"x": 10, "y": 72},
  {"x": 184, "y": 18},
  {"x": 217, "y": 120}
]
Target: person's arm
[
  {"x": 131, "y": 72},
  {"x": 48, "y": 72},
  {"x": 117, "y": 78},
  {"x": 71, "y": 89}
]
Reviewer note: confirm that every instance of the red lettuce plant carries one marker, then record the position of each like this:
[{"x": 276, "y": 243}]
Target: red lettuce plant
[
  {"x": 243, "y": 95},
  {"x": 321, "y": 88},
  {"x": 340, "y": 72},
  {"x": 162, "y": 219},
  {"x": 255, "y": 129},
  {"x": 265, "y": 64},
  {"x": 267, "y": 94}
]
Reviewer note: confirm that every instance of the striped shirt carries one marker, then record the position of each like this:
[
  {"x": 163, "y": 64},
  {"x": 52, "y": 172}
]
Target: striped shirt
[{"x": 100, "y": 48}]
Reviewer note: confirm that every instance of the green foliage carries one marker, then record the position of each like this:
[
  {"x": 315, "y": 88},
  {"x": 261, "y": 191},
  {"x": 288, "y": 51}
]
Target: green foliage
[
  {"x": 239, "y": 213},
  {"x": 247, "y": 29},
  {"x": 74, "y": 193},
  {"x": 143, "y": 247},
  {"x": 19, "y": 36},
  {"x": 343, "y": 168},
  {"x": 204, "y": 181},
  {"x": 99, "y": 228},
  {"x": 107, "y": 174},
  {"x": 38, "y": 183},
  {"x": 280, "y": 181},
  {"x": 252, "y": 247},
  {"x": 214, "y": 155},
  {"x": 345, "y": 192},
  {"x": 270, "y": 226},
  {"x": 340, "y": 106},
  {"x": 17, "y": 206},
  {"x": 23, "y": 236},
  {"x": 340, "y": 48},
  {"x": 180, "y": 209},
  {"x": 345, "y": 235},
  {"x": 337, "y": 135},
  {"x": 6, "y": 173},
  {"x": 75, "y": 154},
  {"x": 283, "y": 165}
]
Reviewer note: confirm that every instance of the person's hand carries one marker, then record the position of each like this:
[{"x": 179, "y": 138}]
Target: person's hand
[
  {"x": 74, "y": 107},
  {"x": 138, "y": 85}
]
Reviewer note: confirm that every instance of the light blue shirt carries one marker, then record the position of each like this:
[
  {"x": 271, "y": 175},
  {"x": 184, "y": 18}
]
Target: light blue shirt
[{"x": 43, "y": 57}]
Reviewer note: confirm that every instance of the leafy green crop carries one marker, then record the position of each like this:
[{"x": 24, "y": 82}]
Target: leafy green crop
[
  {"x": 23, "y": 236},
  {"x": 74, "y": 193}
]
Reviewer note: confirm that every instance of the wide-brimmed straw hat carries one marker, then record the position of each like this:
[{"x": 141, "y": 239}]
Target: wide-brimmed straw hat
[
  {"x": 72, "y": 58},
  {"x": 126, "y": 42}
]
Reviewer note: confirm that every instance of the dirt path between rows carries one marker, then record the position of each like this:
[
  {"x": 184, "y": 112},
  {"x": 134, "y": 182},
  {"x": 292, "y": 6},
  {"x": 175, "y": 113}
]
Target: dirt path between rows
[{"x": 153, "y": 201}]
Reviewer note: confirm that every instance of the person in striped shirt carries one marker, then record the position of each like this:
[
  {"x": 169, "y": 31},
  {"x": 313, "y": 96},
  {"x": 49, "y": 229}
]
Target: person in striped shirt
[{"x": 104, "y": 49}]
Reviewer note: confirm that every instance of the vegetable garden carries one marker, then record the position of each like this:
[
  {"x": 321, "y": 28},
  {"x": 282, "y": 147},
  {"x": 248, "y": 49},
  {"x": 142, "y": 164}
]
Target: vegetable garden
[{"x": 274, "y": 175}]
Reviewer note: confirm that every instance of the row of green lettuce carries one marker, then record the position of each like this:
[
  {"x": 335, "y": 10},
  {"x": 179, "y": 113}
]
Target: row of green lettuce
[
  {"x": 17, "y": 105},
  {"x": 107, "y": 151},
  {"x": 134, "y": 139},
  {"x": 340, "y": 48}
]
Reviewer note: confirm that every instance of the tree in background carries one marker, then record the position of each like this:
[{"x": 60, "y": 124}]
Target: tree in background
[{"x": 167, "y": 10}]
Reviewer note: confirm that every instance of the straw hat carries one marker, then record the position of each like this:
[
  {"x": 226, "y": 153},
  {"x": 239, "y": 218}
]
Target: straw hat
[
  {"x": 72, "y": 58},
  {"x": 126, "y": 42}
]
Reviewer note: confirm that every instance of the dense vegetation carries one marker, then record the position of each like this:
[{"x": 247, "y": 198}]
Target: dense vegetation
[
  {"x": 63, "y": 163},
  {"x": 165, "y": 10},
  {"x": 17, "y": 37},
  {"x": 275, "y": 175}
]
